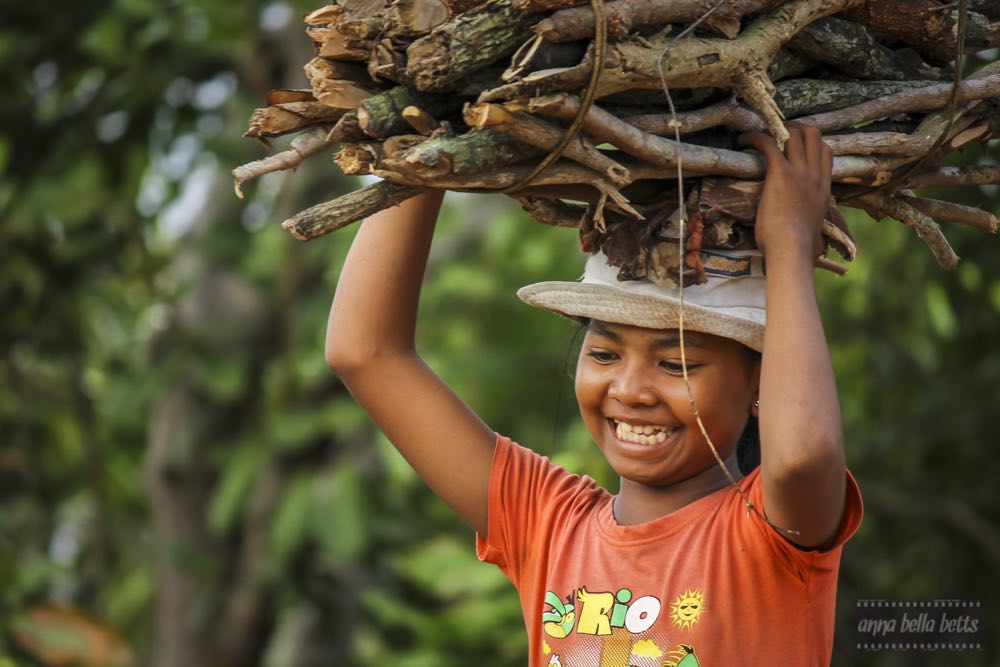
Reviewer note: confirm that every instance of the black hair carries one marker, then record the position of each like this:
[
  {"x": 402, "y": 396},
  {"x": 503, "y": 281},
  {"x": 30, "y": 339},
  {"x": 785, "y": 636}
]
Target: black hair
[{"x": 748, "y": 447}]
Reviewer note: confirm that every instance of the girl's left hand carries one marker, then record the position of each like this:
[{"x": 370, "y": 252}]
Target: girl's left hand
[{"x": 796, "y": 191}]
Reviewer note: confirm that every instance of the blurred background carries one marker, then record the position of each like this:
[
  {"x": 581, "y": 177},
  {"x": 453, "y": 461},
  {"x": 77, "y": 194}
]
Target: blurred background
[{"x": 184, "y": 482}]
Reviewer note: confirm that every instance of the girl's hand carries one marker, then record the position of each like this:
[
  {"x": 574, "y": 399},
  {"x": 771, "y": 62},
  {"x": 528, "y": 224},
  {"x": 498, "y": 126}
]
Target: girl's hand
[{"x": 796, "y": 191}]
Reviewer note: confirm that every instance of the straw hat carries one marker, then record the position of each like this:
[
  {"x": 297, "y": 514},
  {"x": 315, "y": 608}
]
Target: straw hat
[{"x": 729, "y": 304}]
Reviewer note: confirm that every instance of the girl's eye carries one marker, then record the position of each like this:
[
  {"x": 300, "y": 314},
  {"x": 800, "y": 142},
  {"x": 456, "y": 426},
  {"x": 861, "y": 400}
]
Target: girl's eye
[
  {"x": 675, "y": 367},
  {"x": 602, "y": 356}
]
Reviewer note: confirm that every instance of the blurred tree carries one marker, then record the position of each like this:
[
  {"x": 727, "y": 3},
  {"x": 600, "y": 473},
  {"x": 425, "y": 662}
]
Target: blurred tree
[{"x": 177, "y": 460}]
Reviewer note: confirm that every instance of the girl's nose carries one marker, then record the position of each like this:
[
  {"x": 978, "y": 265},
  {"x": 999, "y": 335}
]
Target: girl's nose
[{"x": 633, "y": 387}]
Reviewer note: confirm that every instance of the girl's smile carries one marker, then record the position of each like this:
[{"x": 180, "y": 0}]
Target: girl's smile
[{"x": 641, "y": 434}]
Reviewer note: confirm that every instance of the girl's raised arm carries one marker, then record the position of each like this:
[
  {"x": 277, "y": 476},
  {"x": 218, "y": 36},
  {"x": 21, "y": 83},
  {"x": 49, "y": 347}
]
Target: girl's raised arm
[
  {"x": 802, "y": 452},
  {"x": 370, "y": 344}
]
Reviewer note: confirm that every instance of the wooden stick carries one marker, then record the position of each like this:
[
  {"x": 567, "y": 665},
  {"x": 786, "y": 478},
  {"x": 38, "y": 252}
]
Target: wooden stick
[
  {"x": 951, "y": 212},
  {"x": 662, "y": 152},
  {"x": 477, "y": 151},
  {"x": 878, "y": 206},
  {"x": 736, "y": 117},
  {"x": 536, "y": 132},
  {"x": 279, "y": 119},
  {"x": 729, "y": 113},
  {"x": 953, "y": 177},
  {"x": 564, "y": 172},
  {"x": 346, "y": 129},
  {"x": 852, "y": 49},
  {"x": 570, "y": 24},
  {"x": 382, "y": 114},
  {"x": 467, "y": 43},
  {"x": 419, "y": 120},
  {"x": 341, "y": 85},
  {"x": 923, "y": 99},
  {"x": 303, "y": 146},
  {"x": 342, "y": 211},
  {"x": 552, "y": 211}
]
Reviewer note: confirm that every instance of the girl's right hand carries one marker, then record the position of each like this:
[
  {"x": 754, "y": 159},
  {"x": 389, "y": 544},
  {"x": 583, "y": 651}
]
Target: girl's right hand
[{"x": 796, "y": 191}]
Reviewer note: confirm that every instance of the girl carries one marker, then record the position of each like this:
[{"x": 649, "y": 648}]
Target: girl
[{"x": 681, "y": 567}]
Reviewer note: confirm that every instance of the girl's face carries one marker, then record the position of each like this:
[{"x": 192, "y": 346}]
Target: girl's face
[{"x": 633, "y": 400}]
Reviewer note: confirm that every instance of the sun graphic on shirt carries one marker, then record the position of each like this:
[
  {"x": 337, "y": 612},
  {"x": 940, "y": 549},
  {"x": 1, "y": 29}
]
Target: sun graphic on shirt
[{"x": 687, "y": 608}]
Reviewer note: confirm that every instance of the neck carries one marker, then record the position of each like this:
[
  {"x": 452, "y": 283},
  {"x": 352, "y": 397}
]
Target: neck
[{"x": 637, "y": 503}]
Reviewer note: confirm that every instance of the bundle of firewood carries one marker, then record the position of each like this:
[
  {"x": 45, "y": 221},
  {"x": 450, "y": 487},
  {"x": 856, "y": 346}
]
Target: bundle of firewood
[{"x": 587, "y": 111}]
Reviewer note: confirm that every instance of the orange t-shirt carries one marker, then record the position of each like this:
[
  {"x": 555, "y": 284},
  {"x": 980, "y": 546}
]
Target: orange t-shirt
[{"x": 705, "y": 585}]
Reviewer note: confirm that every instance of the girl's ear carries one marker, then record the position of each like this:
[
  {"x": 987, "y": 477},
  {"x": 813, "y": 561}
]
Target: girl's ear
[{"x": 755, "y": 384}]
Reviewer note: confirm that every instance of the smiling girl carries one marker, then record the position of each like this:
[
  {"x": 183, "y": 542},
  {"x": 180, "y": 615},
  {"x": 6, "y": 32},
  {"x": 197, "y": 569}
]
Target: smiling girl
[{"x": 690, "y": 562}]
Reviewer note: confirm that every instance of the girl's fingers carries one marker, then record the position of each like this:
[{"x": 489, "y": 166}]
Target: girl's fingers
[
  {"x": 813, "y": 143},
  {"x": 826, "y": 162},
  {"x": 794, "y": 147},
  {"x": 764, "y": 143}
]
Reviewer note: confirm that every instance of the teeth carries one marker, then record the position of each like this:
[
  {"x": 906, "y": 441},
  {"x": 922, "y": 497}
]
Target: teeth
[{"x": 646, "y": 434}]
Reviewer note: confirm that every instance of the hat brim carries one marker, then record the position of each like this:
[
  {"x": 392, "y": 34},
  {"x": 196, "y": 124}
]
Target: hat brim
[{"x": 582, "y": 301}]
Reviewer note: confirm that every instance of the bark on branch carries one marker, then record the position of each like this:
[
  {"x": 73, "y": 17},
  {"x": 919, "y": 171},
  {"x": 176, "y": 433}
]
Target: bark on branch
[{"x": 332, "y": 215}]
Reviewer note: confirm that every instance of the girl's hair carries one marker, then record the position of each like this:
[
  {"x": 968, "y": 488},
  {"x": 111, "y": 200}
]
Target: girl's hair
[{"x": 748, "y": 447}]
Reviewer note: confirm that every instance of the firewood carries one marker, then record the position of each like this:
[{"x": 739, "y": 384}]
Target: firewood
[
  {"x": 854, "y": 50},
  {"x": 536, "y": 132},
  {"x": 476, "y": 151},
  {"x": 467, "y": 43},
  {"x": 471, "y": 95},
  {"x": 419, "y": 120},
  {"x": 418, "y": 17},
  {"x": 923, "y": 25},
  {"x": 338, "y": 85},
  {"x": 623, "y": 16},
  {"x": 331, "y": 216},
  {"x": 279, "y": 119},
  {"x": 382, "y": 114}
]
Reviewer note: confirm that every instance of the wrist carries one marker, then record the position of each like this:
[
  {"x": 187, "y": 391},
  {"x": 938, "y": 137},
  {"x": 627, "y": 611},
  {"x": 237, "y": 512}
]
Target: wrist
[{"x": 789, "y": 260}]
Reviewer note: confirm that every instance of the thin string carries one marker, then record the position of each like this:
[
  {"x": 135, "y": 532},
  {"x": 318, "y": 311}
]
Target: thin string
[
  {"x": 682, "y": 210},
  {"x": 600, "y": 44}
]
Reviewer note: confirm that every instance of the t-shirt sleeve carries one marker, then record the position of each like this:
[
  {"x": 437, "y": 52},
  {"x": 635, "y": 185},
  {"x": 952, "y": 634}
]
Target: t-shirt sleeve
[
  {"x": 527, "y": 492},
  {"x": 802, "y": 561}
]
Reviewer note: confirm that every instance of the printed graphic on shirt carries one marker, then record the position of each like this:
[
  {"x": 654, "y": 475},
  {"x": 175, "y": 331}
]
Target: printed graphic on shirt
[
  {"x": 687, "y": 608},
  {"x": 682, "y": 656},
  {"x": 559, "y": 620},
  {"x": 598, "y": 613},
  {"x": 619, "y": 629}
]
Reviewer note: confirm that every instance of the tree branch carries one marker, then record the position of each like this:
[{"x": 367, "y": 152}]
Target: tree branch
[
  {"x": 955, "y": 177},
  {"x": 303, "y": 146},
  {"x": 332, "y": 215},
  {"x": 879, "y": 206},
  {"x": 536, "y": 132}
]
